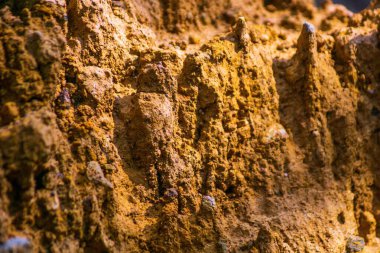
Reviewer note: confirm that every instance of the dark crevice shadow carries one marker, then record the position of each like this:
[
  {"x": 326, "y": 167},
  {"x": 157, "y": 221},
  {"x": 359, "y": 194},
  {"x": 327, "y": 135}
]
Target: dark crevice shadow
[
  {"x": 352, "y": 5},
  {"x": 289, "y": 110}
]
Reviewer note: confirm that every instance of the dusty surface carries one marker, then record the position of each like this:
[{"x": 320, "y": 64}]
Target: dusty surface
[{"x": 189, "y": 126}]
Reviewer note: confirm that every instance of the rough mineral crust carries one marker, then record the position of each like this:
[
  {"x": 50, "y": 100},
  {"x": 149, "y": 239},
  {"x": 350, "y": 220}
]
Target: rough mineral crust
[{"x": 189, "y": 126}]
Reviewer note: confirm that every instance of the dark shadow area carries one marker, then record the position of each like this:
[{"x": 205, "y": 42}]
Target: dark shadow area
[
  {"x": 289, "y": 103},
  {"x": 352, "y": 5}
]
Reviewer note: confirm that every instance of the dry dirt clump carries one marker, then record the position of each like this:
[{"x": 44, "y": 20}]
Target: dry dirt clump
[{"x": 189, "y": 126}]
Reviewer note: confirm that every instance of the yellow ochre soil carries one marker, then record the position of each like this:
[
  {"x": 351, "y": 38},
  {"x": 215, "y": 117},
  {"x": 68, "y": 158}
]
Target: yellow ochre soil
[{"x": 189, "y": 126}]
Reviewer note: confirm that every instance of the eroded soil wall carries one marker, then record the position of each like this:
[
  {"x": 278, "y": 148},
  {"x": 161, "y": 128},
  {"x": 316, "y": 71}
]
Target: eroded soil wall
[{"x": 189, "y": 126}]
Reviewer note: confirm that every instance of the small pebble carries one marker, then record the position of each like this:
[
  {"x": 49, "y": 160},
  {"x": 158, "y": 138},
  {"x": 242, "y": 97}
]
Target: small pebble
[
  {"x": 209, "y": 201},
  {"x": 371, "y": 91},
  {"x": 264, "y": 37},
  {"x": 355, "y": 244},
  {"x": 16, "y": 244},
  {"x": 119, "y": 4},
  {"x": 275, "y": 131},
  {"x": 95, "y": 174},
  {"x": 171, "y": 193},
  {"x": 64, "y": 98}
]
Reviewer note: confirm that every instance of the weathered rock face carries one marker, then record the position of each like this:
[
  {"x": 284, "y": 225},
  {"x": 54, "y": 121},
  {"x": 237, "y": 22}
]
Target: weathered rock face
[{"x": 189, "y": 126}]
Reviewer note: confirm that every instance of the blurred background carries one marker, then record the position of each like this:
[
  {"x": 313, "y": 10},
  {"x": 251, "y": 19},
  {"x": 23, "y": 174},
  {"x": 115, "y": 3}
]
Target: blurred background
[{"x": 353, "y": 5}]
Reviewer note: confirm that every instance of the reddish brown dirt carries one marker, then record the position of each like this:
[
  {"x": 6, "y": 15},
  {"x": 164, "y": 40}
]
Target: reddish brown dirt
[{"x": 189, "y": 126}]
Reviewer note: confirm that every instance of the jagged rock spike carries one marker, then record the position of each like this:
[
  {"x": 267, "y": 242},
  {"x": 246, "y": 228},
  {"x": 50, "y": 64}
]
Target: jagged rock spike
[
  {"x": 307, "y": 39},
  {"x": 242, "y": 32}
]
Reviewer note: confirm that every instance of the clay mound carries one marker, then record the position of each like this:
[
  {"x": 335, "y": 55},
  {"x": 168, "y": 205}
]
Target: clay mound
[{"x": 189, "y": 126}]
